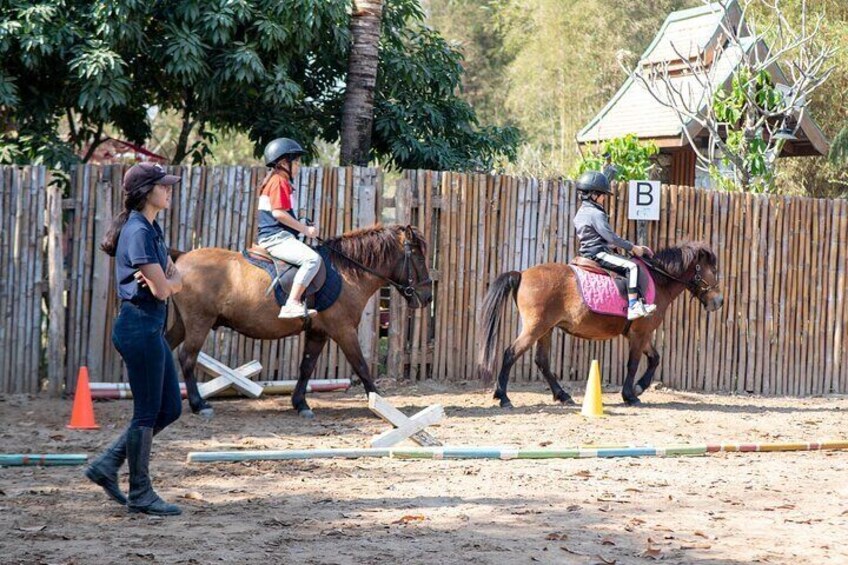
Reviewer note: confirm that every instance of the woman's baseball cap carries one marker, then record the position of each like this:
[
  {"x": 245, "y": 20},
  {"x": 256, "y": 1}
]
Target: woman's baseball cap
[{"x": 144, "y": 174}]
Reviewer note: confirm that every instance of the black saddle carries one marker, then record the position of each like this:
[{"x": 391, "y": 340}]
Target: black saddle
[{"x": 284, "y": 272}]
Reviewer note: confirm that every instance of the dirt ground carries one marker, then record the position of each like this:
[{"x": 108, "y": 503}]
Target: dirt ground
[{"x": 725, "y": 508}]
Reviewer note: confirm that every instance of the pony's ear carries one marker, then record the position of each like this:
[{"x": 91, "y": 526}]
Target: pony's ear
[
  {"x": 409, "y": 233},
  {"x": 706, "y": 255}
]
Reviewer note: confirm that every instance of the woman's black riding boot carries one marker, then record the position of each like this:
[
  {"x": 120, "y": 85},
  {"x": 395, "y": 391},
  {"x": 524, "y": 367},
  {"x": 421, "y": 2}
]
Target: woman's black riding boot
[
  {"x": 104, "y": 470},
  {"x": 142, "y": 497}
]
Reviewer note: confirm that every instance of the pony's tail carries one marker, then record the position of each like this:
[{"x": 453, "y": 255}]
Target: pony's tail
[
  {"x": 493, "y": 310},
  {"x": 176, "y": 332}
]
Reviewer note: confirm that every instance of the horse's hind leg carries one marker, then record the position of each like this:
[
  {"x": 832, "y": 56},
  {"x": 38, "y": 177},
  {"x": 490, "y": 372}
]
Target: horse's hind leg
[
  {"x": 653, "y": 362},
  {"x": 188, "y": 361},
  {"x": 528, "y": 336},
  {"x": 314, "y": 344},
  {"x": 543, "y": 361}
]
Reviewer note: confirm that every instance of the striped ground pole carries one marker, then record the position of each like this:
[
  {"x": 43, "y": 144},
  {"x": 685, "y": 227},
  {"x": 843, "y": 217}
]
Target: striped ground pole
[
  {"x": 30, "y": 459},
  {"x": 506, "y": 452}
]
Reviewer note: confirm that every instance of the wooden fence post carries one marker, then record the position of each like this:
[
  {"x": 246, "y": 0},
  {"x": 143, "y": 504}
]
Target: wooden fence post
[
  {"x": 641, "y": 232},
  {"x": 101, "y": 275},
  {"x": 56, "y": 274},
  {"x": 397, "y": 311},
  {"x": 366, "y": 199}
]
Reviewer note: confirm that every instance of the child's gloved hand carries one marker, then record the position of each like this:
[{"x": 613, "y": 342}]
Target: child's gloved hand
[
  {"x": 311, "y": 231},
  {"x": 642, "y": 250}
]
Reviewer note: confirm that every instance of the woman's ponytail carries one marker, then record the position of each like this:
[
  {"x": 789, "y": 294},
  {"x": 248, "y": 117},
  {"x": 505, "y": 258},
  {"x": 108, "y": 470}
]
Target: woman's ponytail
[
  {"x": 133, "y": 200},
  {"x": 110, "y": 241}
]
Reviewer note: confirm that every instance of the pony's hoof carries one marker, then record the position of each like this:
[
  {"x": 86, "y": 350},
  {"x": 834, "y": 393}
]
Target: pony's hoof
[
  {"x": 307, "y": 413},
  {"x": 206, "y": 413},
  {"x": 567, "y": 401},
  {"x": 507, "y": 405},
  {"x": 632, "y": 401}
]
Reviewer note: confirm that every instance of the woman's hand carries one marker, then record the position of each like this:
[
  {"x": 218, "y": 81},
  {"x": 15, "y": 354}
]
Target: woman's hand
[
  {"x": 141, "y": 280},
  {"x": 161, "y": 286}
]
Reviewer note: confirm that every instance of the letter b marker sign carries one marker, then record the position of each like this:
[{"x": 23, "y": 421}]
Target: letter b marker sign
[{"x": 644, "y": 197}]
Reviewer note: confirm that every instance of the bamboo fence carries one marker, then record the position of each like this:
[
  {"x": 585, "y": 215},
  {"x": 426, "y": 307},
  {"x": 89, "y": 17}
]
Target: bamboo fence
[
  {"x": 782, "y": 265},
  {"x": 22, "y": 280}
]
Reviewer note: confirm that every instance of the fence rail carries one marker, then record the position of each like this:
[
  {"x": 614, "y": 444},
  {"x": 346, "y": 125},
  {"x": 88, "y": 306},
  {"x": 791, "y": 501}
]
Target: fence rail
[{"x": 782, "y": 261}]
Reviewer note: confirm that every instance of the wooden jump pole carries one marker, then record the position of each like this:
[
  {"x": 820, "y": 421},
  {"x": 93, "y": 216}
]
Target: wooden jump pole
[
  {"x": 50, "y": 459},
  {"x": 505, "y": 452}
]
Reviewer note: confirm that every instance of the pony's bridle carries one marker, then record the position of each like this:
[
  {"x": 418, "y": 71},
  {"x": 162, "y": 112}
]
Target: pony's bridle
[
  {"x": 696, "y": 284},
  {"x": 408, "y": 290}
]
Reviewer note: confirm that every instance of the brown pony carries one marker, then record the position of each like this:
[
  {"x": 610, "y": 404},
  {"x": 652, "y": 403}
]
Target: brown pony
[
  {"x": 547, "y": 297},
  {"x": 222, "y": 289}
]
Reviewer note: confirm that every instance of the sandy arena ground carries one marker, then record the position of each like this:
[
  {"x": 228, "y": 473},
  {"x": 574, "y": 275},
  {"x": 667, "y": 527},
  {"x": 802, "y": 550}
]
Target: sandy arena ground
[{"x": 725, "y": 508}]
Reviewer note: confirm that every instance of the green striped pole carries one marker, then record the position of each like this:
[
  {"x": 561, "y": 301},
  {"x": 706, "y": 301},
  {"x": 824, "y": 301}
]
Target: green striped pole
[
  {"x": 506, "y": 452},
  {"x": 30, "y": 459}
]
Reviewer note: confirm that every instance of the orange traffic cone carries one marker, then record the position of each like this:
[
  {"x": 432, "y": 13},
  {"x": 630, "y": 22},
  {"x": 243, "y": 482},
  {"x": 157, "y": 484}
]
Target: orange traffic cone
[{"x": 82, "y": 415}]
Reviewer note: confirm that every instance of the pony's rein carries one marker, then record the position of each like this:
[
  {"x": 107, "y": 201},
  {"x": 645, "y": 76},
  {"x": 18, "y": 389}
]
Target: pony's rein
[
  {"x": 695, "y": 283},
  {"x": 408, "y": 289}
]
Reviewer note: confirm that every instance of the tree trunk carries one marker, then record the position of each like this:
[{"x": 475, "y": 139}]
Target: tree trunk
[
  {"x": 358, "y": 111},
  {"x": 181, "y": 150}
]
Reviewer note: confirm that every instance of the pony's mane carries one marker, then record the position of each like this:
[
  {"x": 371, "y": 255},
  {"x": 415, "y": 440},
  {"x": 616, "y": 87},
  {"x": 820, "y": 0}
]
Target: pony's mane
[
  {"x": 677, "y": 260},
  {"x": 374, "y": 246}
]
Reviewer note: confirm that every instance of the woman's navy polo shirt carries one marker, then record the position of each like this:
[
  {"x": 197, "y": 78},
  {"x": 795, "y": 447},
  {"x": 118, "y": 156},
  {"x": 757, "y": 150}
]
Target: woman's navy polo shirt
[{"x": 140, "y": 243}]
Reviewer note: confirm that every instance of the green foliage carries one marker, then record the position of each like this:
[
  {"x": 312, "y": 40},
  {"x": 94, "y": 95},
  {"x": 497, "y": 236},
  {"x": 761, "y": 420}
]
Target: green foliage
[
  {"x": 839, "y": 148},
  {"x": 632, "y": 158},
  {"x": 419, "y": 119},
  {"x": 72, "y": 69},
  {"x": 548, "y": 66},
  {"x": 563, "y": 66},
  {"x": 474, "y": 27},
  {"x": 731, "y": 106}
]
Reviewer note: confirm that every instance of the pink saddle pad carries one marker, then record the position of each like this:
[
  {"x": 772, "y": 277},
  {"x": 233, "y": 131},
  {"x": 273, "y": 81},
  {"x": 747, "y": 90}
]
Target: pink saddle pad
[{"x": 603, "y": 297}]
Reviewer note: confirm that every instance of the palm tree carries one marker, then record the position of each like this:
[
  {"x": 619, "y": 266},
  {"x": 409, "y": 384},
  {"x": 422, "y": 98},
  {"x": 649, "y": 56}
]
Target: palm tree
[{"x": 358, "y": 111}]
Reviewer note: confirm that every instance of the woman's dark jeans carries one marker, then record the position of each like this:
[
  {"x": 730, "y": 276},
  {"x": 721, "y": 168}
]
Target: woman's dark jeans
[{"x": 139, "y": 337}]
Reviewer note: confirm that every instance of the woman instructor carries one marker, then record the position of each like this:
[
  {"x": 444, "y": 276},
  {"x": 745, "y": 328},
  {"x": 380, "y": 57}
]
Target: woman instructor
[{"x": 146, "y": 277}]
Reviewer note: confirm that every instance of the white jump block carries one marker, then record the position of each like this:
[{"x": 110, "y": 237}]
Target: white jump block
[
  {"x": 404, "y": 426},
  {"x": 226, "y": 377}
]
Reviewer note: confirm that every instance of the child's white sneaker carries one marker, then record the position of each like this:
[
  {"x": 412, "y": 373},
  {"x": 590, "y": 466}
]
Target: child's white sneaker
[
  {"x": 640, "y": 310},
  {"x": 295, "y": 310}
]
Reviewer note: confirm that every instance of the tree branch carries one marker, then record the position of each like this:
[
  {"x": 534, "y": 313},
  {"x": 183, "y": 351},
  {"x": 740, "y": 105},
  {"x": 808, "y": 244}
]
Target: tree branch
[
  {"x": 71, "y": 126},
  {"x": 95, "y": 143}
]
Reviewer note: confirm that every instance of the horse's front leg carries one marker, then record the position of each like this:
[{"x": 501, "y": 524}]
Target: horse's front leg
[
  {"x": 653, "y": 362},
  {"x": 315, "y": 341},
  {"x": 348, "y": 340},
  {"x": 627, "y": 392},
  {"x": 188, "y": 363}
]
